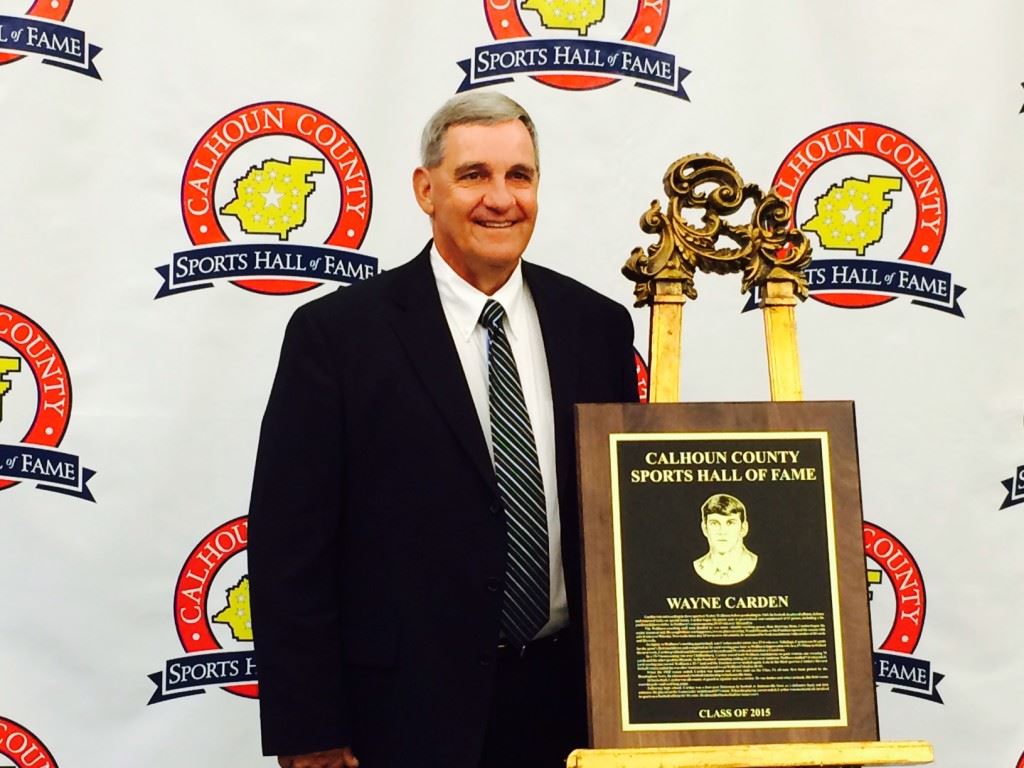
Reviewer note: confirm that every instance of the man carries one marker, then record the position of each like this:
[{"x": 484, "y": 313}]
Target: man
[
  {"x": 724, "y": 523},
  {"x": 396, "y": 616}
]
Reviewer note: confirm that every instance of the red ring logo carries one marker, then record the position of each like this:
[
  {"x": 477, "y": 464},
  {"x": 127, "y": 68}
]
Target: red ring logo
[
  {"x": 905, "y": 575},
  {"x": 192, "y": 592},
  {"x": 892, "y": 147},
  {"x": 22, "y": 746},
  {"x": 276, "y": 118},
  {"x": 648, "y": 23},
  {"x": 54, "y": 10},
  {"x": 52, "y": 380}
]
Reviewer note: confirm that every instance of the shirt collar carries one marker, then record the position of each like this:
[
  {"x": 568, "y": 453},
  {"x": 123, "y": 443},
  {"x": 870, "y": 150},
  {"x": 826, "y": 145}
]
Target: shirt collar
[{"x": 465, "y": 302}]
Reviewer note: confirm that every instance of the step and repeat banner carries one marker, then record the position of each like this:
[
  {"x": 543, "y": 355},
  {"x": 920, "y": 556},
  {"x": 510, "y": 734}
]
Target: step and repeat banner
[{"x": 178, "y": 177}]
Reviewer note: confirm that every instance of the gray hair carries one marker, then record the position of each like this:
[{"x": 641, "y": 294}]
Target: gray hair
[{"x": 472, "y": 108}]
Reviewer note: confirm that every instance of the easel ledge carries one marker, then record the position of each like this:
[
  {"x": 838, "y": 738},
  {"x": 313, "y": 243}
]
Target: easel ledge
[{"x": 849, "y": 754}]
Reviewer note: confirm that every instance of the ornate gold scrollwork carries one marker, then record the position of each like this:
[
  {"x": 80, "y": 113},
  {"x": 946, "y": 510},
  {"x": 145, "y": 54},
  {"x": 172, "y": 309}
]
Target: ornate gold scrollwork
[
  {"x": 703, "y": 191},
  {"x": 764, "y": 249}
]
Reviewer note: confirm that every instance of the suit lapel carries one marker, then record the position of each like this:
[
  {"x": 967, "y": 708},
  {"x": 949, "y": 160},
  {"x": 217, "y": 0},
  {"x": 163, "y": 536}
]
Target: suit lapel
[{"x": 420, "y": 325}]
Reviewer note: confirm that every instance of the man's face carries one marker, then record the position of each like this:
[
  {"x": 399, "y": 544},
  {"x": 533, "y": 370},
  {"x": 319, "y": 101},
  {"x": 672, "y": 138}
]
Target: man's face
[
  {"x": 482, "y": 200},
  {"x": 724, "y": 532}
]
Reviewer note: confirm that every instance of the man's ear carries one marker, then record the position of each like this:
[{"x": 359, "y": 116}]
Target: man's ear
[{"x": 422, "y": 188}]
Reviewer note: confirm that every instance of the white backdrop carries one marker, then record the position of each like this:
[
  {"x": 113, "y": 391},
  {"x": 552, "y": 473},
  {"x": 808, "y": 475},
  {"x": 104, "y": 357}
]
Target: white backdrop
[{"x": 162, "y": 398}]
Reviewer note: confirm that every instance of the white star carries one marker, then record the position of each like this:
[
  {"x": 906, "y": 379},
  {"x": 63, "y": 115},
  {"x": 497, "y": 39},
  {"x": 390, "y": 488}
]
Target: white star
[
  {"x": 850, "y": 214},
  {"x": 271, "y": 197}
]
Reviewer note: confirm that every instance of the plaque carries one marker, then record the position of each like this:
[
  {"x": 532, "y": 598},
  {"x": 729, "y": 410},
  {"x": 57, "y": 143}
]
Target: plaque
[{"x": 726, "y": 595}]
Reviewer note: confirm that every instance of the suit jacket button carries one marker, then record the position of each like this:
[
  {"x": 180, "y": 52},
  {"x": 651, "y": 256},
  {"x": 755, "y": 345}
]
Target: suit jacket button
[
  {"x": 486, "y": 659},
  {"x": 495, "y": 508},
  {"x": 493, "y": 584}
]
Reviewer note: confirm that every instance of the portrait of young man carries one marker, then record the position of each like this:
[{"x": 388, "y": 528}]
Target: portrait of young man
[
  {"x": 723, "y": 521},
  {"x": 413, "y": 530}
]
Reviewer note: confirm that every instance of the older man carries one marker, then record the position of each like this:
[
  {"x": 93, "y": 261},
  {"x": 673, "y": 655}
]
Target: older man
[{"x": 414, "y": 537}]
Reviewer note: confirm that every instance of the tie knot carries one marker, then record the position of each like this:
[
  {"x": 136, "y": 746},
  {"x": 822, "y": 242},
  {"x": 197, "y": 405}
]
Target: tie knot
[{"x": 492, "y": 315}]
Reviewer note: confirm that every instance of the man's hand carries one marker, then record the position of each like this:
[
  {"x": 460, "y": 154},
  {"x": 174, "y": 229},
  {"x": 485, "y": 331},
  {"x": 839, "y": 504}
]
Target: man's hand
[{"x": 331, "y": 758}]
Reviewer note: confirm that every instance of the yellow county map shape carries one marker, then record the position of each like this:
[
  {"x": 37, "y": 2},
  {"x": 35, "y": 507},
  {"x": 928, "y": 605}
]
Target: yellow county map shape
[
  {"x": 567, "y": 14},
  {"x": 849, "y": 215},
  {"x": 236, "y": 615},
  {"x": 271, "y": 198},
  {"x": 7, "y": 365}
]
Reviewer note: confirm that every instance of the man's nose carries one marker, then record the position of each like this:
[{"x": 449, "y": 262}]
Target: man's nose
[{"x": 498, "y": 195}]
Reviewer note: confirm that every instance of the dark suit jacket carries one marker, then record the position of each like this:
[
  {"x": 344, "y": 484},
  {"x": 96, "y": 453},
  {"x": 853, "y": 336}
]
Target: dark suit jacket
[{"x": 376, "y": 540}]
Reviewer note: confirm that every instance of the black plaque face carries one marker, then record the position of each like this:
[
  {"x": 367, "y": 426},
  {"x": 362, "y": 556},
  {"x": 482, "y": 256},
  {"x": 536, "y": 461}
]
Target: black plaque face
[{"x": 726, "y": 581}]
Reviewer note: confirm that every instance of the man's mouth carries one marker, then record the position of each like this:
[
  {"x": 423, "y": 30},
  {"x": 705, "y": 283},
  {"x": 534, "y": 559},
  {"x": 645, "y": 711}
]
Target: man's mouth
[{"x": 496, "y": 224}]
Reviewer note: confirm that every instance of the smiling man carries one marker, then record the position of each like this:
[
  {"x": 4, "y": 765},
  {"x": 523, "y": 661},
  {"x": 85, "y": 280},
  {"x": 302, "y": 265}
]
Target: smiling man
[{"x": 413, "y": 532}]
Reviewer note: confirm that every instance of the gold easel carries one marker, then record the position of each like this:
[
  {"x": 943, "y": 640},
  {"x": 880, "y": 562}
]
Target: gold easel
[{"x": 772, "y": 258}]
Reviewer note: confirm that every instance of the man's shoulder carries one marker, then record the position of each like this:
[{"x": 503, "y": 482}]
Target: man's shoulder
[
  {"x": 363, "y": 297},
  {"x": 570, "y": 289}
]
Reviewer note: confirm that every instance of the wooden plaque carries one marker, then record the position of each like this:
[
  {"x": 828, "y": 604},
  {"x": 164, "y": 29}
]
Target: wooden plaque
[{"x": 725, "y": 594}]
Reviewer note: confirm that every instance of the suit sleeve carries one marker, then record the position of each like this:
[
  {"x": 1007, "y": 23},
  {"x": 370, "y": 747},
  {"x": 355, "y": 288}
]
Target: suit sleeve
[
  {"x": 625, "y": 357},
  {"x": 295, "y": 529}
]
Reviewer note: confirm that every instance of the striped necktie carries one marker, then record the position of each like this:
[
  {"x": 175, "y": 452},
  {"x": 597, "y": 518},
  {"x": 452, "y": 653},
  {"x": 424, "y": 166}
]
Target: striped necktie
[{"x": 526, "y": 604}]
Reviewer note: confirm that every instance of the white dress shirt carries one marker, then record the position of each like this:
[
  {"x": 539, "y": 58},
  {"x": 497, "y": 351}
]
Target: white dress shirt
[{"x": 462, "y": 304}]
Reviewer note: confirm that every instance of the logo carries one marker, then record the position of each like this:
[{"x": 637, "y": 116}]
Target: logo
[
  {"x": 35, "y": 406},
  {"x": 276, "y": 197},
  {"x": 22, "y": 746},
  {"x": 39, "y": 32},
  {"x": 535, "y": 37},
  {"x": 875, "y": 202},
  {"x": 643, "y": 376},
  {"x": 1014, "y": 486},
  {"x": 211, "y": 615},
  {"x": 889, "y": 561}
]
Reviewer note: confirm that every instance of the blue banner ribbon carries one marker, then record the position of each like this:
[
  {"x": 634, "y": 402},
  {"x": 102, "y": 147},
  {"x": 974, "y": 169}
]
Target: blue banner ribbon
[
  {"x": 52, "y": 470},
  {"x": 498, "y": 62},
  {"x": 197, "y": 268},
  {"x": 193, "y": 674},
  {"x": 923, "y": 284},
  {"x": 59, "y": 45},
  {"x": 907, "y": 675},
  {"x": 1014, "y": 489}
]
